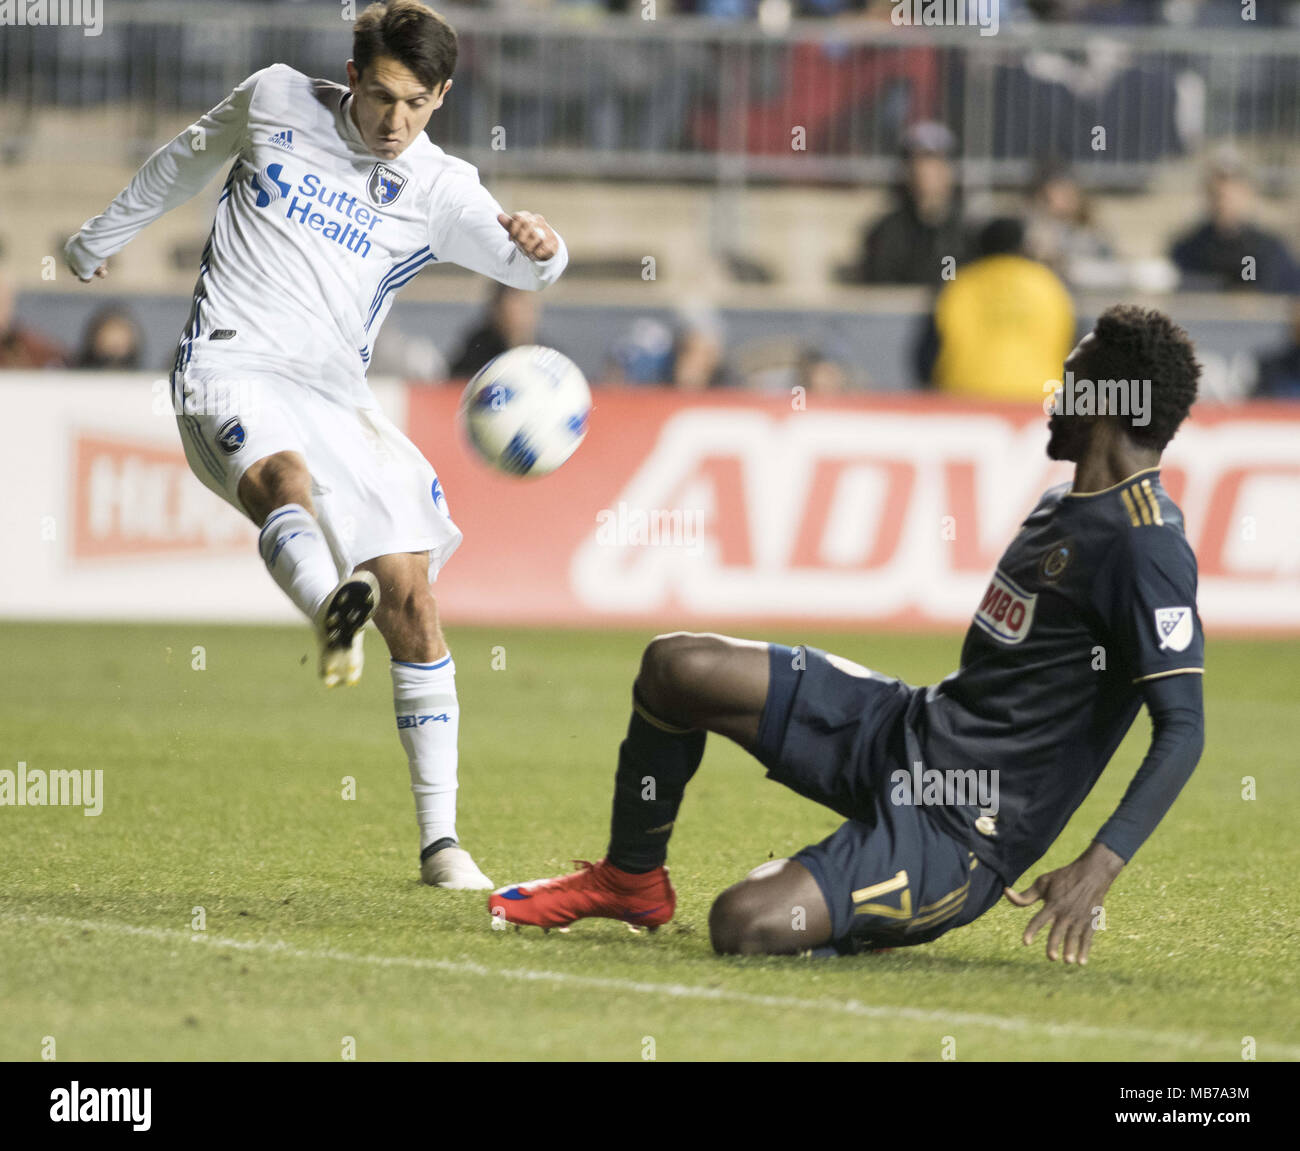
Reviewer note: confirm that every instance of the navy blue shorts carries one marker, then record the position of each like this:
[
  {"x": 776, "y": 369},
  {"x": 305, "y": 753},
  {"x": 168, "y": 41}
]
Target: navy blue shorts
[{"x": 833, "y": 731}]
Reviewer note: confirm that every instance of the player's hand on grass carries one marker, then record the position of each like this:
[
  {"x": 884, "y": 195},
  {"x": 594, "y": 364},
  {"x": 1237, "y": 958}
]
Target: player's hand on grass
[
  {"x": 1071, "y": 896},
  {"x": 531, "y": 234}
]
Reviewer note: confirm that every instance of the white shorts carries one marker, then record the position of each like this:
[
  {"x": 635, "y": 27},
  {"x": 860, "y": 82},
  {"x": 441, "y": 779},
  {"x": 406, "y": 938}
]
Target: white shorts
[{"x": 374, "y": 493}]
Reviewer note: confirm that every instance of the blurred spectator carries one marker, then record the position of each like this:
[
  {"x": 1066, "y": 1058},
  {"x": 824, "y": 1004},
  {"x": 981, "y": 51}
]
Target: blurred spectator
[
  {"x": 635, "y": 93},
  {"x": 734, "y": 11},
  {"x": 21, "y": 346},
  {"x": 408, "y": 352},
  {"x": 1060, "y": 232},
  {"x": 643, "y": 355},
  {"x": 1279, "y": 371},
  {"x": 111, "y": 341},
  {"x": 511, "y": 321},
  {"x": 1214, "y": 255},
  {"x": 908, "y": 245},
  {"x": 782, "y": 362},
  {"x": 1228, "y": 13},
  {"x": 1097, "y": 11},
  {"x": 688, "y": 354},
  {"x": 820, "y": 374},
  {"x": 1002, "y": 327}
]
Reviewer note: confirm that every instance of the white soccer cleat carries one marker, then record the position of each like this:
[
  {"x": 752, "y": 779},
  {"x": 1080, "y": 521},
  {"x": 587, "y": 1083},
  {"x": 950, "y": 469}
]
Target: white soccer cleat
[
  {"x": 453, "y": 869},
  {"x": 341, "y": 625}
]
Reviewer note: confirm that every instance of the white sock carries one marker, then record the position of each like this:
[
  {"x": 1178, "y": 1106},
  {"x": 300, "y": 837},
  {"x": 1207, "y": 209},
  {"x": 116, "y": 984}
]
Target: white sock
[
  {"x": 428, "y": 724},
  {"x": 295, "y": 552}
]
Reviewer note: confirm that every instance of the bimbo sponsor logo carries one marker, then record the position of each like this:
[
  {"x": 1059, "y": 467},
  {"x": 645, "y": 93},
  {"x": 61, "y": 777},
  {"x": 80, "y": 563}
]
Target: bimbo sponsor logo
[{"x": 1006, "y": 612}]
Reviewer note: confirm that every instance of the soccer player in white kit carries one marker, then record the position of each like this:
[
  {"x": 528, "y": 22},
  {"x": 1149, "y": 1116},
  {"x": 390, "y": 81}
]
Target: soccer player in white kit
[{"x": 334, "y": 200}]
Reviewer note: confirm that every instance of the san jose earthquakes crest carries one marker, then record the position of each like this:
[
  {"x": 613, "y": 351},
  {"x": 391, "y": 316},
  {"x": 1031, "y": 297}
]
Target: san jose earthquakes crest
[
  {"x": 384, "y": 185},
  {"x": 231, "y": 437}
]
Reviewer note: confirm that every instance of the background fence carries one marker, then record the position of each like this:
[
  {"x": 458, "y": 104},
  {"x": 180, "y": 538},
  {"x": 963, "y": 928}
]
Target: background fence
[{"x": 689, "y": 98}]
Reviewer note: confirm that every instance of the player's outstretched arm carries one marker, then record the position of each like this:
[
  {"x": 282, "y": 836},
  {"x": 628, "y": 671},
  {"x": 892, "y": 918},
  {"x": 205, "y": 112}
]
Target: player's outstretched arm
[
  {"x": 172, "y": 175},
  {"x": 1073, "y": 895},
  {"x": 532, "y": 234},
  {"x": 468, "y": 228}
]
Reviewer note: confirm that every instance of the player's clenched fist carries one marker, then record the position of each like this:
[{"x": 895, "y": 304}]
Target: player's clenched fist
[{"x": 532, "y": 234}]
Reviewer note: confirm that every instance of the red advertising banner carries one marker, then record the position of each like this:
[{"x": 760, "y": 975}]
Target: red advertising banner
[
  {"x": 138, "y": 499},
  {"x": 690, "y": 511}
]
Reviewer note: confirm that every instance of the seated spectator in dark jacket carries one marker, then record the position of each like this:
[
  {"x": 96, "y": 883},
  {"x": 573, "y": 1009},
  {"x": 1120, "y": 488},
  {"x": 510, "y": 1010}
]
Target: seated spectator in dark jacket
[
  {"x": 1227, "y": 251},
  {"x": 511, "y": 321},
  {"x": 1060, "y": 231},
  {"x": 21, "y": 346},
  {"x": 111, "y": 341},
  {"x": 1279, "y": 371},
  {"x": 909, "y": 244}
]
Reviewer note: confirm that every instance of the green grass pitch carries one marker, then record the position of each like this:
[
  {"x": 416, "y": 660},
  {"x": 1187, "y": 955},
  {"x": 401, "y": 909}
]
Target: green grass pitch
[{"x": 223, "y": 790}]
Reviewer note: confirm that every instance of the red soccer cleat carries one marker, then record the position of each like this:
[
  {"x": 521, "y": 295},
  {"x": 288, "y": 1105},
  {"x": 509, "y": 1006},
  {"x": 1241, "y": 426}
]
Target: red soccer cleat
[{"x": 598, "y": 891}]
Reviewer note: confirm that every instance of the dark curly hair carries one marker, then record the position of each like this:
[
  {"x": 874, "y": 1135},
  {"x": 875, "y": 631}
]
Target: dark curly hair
[
  {"x": 1133, "y": 343},
  {"x": 412, "y": 34}
]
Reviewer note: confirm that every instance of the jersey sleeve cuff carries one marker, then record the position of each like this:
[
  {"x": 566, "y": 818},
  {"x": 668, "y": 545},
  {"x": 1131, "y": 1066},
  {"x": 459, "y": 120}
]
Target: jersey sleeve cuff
[
  {"x": 1171, "y": 671},
  {"x": 1108, "y": 838},
  {"x": 82, "y": 263}
]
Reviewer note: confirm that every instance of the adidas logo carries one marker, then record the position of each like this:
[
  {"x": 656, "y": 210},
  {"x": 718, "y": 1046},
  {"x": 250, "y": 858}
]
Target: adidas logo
[{"x": 282, "y": 139}]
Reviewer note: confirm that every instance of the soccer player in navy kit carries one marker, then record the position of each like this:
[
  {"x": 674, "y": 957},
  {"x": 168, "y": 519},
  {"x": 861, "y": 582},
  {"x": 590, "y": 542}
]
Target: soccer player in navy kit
[{"x": 1090, "y": 613}]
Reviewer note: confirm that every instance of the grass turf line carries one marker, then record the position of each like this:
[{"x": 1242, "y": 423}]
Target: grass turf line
[{"x": 223, "y": 790}]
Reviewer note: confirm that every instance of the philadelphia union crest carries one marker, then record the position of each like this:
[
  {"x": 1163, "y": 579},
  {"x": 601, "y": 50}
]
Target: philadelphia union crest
[
  {"x": 1055, "y": 560},
  {"x": 384, "y": 185}
]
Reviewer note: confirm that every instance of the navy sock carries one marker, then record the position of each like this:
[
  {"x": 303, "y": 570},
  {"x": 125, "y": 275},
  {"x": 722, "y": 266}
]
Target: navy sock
[{"x": 655, "y": 763}]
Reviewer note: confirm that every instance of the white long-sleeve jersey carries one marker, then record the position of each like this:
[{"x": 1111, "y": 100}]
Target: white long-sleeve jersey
[{"x": 313, "y": 235}]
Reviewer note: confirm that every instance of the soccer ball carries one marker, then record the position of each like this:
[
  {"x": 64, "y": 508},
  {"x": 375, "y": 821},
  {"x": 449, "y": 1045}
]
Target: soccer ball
[{"x": 526, "y": 410}]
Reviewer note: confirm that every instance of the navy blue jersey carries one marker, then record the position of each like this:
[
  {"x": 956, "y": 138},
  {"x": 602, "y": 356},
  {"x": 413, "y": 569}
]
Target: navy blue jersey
[{"x": 1095, "y": 595}]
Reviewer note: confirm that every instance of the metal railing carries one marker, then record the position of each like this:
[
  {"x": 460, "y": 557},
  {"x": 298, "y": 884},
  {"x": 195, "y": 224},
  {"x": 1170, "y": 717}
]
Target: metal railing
[{"x": 686, "y": 98}]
